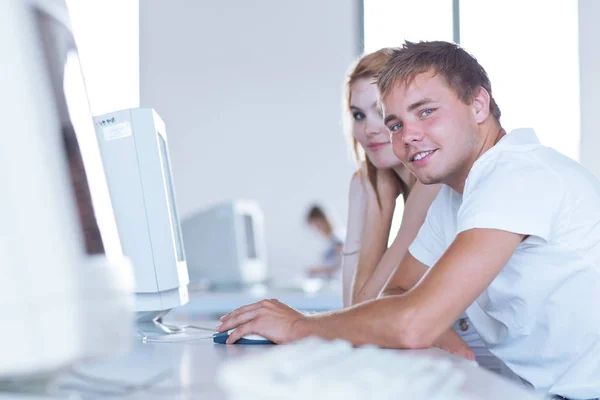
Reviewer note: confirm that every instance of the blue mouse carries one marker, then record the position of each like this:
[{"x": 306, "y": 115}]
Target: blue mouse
[{"x": 221, "y": 338}]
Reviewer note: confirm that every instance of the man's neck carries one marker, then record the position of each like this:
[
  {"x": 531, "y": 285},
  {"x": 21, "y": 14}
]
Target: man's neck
[{"x": 490, "y": 132}]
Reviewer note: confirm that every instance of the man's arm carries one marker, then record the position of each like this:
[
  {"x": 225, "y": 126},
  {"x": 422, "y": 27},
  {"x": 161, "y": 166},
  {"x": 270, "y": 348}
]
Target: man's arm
[
  {"x": 413, "y": 320},
  {"x": 405, "y": 279}
]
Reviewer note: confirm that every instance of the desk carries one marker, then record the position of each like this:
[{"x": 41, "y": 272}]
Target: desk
[
  {"x": 189, "y": 370},
  {"x": 209, "y": 304}
]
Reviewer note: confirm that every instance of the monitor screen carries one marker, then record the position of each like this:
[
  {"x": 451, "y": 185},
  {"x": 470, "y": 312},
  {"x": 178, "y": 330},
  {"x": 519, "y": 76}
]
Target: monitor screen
[{"x": 82, "y": 154}]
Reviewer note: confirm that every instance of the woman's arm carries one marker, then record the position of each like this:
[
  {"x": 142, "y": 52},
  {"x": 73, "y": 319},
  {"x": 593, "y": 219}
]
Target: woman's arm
[
  {"x": 352, "y": 244},
  {"x": 415, "y": 210},
  {"x": 376, "y": 231}
]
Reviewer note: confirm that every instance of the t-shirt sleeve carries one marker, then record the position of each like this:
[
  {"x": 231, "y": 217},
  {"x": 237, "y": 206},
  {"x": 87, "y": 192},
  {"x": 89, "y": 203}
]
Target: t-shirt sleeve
[
  {"x": 429, "y": 244},
  {"x": 516, "y": 194}
]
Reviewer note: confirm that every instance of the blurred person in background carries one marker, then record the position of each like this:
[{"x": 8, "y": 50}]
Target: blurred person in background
[{"x": 331, "y": 259}]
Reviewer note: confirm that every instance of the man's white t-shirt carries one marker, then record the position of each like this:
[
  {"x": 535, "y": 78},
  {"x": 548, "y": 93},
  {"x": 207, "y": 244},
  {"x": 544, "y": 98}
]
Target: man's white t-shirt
[{"x": 541, "y": 314}]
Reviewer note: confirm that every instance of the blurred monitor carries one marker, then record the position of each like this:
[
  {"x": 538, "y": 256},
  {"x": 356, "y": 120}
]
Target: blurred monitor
[
  {"x": 225, "y": 245},
  {"x": 134, "y": 148},
  {"x": 65, "y": 287}
]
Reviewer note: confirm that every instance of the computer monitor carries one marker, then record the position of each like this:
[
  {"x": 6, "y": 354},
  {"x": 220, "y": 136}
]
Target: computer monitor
[
  {"x": 65, "y": 287},
  {"x": 225, "y": 245},
  {"x": 134, "y": 148}
]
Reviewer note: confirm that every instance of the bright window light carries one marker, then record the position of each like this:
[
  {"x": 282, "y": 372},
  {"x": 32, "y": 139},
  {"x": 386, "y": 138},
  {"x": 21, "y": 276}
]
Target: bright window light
[
  {"x": 390, "y": 23},
  {"x": 530, "y": 51},
  {"x": 107, "y": 36}
]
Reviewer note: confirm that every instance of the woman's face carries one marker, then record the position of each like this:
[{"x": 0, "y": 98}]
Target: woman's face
[{"x": 367, "y": 126}]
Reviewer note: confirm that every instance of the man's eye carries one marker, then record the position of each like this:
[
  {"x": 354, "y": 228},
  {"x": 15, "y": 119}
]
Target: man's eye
[
  {"x": 358, "y": 116},
  {"x": 425, "y": 113}
]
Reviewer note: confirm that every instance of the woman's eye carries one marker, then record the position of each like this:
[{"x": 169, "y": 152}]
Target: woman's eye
[
  {"x": 425, "y": 113},
  {"x": 358, "y": 116},
  {"x": 396, "y": 127}
]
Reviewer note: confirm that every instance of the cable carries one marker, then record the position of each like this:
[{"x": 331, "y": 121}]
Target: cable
[
  {"x": 169, "y": 338},
  {"x": 176, "y": 328},
  {"x": 199, "y": 328}
]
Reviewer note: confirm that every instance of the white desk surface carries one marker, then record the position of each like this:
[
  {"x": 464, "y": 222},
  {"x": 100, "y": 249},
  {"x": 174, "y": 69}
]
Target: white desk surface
[
  {"x": 203, "y": 304},
  {"x": 190, "y": 368}
]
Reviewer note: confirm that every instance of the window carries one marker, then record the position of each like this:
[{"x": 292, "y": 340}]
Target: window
[
  {"x": 107, "y": 36},
  {"x": 528, "y": 48},
  {"x": 390, "y": 23},
  {"x": 530, "y": 52}
]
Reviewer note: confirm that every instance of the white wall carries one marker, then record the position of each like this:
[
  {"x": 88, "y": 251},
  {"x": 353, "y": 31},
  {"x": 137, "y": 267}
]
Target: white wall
[
  {"x": 589, "y": 73},
  {"x": 250, "y": 94}
]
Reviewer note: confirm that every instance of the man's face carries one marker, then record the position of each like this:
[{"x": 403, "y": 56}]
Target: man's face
[{"x": 433, "y": 132}]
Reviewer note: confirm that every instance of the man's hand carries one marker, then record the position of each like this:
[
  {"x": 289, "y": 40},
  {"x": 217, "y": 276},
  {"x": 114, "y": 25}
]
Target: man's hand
[
  {"x": 451, "y": 342},
  {"x": 270, "y": 319}
]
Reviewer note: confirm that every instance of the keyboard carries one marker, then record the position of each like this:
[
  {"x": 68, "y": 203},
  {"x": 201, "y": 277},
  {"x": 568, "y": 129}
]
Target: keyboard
[{"x": 314, "y": 368}]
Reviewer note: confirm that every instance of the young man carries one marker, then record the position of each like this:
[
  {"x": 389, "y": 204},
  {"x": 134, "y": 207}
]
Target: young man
[{"x": 513, "y": 237}]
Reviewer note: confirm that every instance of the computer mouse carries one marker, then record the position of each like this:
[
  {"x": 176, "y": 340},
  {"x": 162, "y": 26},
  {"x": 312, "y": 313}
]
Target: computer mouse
[{"x": 221, "y": 338}]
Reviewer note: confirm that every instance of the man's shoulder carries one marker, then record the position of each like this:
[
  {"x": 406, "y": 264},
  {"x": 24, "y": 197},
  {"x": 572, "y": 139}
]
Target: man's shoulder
[
  {"x": 516, "y": 165},
  {"x": 520, "y": 150},
  {"x": 508, "y": 156}
]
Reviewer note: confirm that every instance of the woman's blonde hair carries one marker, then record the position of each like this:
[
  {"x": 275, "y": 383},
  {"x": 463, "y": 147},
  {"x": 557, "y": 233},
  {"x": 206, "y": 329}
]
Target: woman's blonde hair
[{"x": 368, "y": 66}]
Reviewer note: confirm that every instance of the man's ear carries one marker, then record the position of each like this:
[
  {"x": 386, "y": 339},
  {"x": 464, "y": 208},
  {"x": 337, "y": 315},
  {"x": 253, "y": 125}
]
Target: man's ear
[{"x": 481, "y": 105}]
